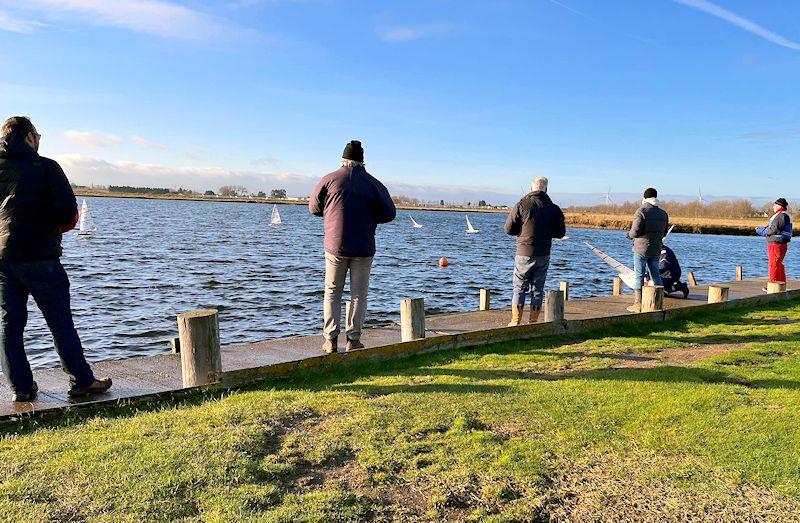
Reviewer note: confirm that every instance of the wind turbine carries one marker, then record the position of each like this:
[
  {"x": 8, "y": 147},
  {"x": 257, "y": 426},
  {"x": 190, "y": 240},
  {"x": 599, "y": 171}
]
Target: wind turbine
[
  {"x": 609, "y": 201},
  {"x": 699, "y": 196}
]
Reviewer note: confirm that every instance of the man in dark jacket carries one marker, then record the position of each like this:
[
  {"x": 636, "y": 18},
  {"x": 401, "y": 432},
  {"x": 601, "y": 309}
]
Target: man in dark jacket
[
  {"x": 535, "y": 220},
  {"x": 650, "y": 224},
  {"x": 778, "y": 233},
  {"x": 352, "y": 204},
  {"x": 37, "y": 206}
]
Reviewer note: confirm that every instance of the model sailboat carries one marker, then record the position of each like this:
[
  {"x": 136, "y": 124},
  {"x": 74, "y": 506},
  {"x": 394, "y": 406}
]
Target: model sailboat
[
  {"x": 276, "y": 217},
  {"x": 414, "y": 223},
  {"x": 470, "y": 228},
  {"x": 626, "y": 274},
  {"x": 86, "y": 224}
]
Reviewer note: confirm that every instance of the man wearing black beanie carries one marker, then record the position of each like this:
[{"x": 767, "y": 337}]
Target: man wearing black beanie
[
  {"x": 650, "y": 225},
  {"x": 352, "y": 203}
]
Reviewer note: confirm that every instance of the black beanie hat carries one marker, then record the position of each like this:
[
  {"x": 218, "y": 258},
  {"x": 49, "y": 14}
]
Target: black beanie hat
[
  {"x": 353, "y": 151},
  {"x": 782, "y": 202},
  {"x": 650, "y": 193}
]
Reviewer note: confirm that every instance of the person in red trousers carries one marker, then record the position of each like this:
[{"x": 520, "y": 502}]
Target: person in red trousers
[{"x": 778, "y": 233}]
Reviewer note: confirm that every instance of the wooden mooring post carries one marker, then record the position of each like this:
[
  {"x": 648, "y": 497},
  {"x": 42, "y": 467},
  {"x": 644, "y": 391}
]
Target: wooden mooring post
[
  {"x": 717, "y": 293},
  {"x": 201, "y": 361},
  {"x": 564, "y": 286},
  {"x": 692, "y": 279},
  {"x": 412, "y": 319},
  {"x": 739, "y": 273},
  {"x": 553, "y": 306},
  {"x": 774, "y": 287},
  {"x": 485, "y": 303},
  {"x": 652, "y": 298},
  {"x": 617, "y": 286}
]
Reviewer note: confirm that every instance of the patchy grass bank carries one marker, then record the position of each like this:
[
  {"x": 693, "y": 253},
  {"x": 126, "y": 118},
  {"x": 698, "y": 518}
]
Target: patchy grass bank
[{"x": 697, "y": 420}]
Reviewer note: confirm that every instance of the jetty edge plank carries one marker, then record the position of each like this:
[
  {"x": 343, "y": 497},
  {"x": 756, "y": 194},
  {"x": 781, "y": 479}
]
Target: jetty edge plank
[{"x": 152, "y": 379}]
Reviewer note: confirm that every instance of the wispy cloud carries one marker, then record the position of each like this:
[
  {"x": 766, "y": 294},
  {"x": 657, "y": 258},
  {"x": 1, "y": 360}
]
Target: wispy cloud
[
  {"x": 408, "y": 33},
  {"x": 93, "y": 139},
  {"x": 147, "y": 144},
  {"x": 740, "y": 22},
  {"x": 16, "y": 25},
  {"x": 153, "y": 17}
]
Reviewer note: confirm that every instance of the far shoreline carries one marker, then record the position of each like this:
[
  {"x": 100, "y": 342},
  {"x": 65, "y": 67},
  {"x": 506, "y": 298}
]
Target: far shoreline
[{"x": 577, "y": 220}]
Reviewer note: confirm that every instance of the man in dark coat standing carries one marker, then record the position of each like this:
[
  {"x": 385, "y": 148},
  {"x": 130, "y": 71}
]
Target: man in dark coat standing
[
  {"x": 352, "y": 203},
  {"x": 38, "y": 205},
  {"x": 650, "y": 225},
  {"x": 535, "y": 220}
]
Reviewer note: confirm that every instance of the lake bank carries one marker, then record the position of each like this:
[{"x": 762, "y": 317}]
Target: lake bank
[{"x": 689, "y": 225}]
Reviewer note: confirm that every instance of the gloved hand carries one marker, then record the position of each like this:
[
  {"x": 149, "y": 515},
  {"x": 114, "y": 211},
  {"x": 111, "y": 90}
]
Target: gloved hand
[{"x": 760, "y": 230}]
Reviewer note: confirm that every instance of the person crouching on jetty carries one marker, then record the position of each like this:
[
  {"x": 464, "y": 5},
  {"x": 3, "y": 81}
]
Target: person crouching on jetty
[
  {"x": 778, "y": 233},
  {"x": 650, "y": 224},
  {"x": 352, "y": 204},
  {"x": 38, "y": 206},
  {"x": 535, "y": 220},
  {"x": 670, "y": 270}
]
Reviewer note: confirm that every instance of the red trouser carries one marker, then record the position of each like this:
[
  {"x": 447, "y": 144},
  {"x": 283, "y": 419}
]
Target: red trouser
[{"x": 776, "y": 253}]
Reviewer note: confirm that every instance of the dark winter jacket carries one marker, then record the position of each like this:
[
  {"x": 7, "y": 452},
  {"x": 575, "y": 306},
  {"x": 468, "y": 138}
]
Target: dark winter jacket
[
  {"x": 535, "y": 220},
  {"x": 36, "y": 202},
  {"x": 779, "y": 229},
  {"x": 668, "y": 265},
  {"x": 650, "y": 224},
  {"x": 352, "y": 203}
]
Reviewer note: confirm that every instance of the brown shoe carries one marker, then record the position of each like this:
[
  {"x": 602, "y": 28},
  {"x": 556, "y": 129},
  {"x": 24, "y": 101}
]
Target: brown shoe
[
  {"x": 330, "y": 346},
  {"x": 96, "y": 387},
  {"x": 353, "y": 345},
  {"x": 534, "y": 317},
  {"x": 516, "y": 314}
]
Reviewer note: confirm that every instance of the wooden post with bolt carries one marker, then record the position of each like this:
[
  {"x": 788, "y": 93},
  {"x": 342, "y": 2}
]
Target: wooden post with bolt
[
  {"x": 739, "y": 273},
  {"x": 652, "y": 298},
  {"x": 201, "y": 361},
  {"x": 717, "y": 293},
  {"x": 412, "y": 319},
  {"x": 692, "y": 279}
]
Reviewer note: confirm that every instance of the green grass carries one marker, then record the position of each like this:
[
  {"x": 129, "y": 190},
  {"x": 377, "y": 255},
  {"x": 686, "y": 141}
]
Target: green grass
[{"x": 538, "y": 430}]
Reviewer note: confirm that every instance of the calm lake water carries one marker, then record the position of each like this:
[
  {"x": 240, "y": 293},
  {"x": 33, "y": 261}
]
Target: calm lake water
[{"x": 153, "y": 259}]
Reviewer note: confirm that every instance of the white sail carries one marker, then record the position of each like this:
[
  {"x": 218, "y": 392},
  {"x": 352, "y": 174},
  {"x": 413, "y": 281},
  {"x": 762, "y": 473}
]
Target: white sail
[
  {"x": 414, "y": 223},
  {"x": 470, "y": 228},
  {"x": 276, "y": 216},
  {"x": 626, "y": 274},
  {"x": 86, "y": 224}
]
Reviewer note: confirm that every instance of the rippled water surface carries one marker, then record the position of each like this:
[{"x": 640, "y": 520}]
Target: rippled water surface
[{"x": 153, "y": 259}]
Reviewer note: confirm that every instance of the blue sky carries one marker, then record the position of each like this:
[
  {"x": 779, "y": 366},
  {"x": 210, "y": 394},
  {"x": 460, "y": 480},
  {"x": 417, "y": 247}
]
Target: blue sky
[{"x": 452, "y": 99}]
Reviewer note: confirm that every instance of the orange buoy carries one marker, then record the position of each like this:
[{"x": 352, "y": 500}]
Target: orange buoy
[{"x": 443, "y": 262}]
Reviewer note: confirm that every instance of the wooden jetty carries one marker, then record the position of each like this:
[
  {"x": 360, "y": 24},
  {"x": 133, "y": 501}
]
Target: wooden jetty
[{"x": 206, "y": 364}]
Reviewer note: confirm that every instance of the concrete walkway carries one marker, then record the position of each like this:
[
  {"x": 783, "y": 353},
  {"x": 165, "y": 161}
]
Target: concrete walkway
[{"x": 150, "y": 376}]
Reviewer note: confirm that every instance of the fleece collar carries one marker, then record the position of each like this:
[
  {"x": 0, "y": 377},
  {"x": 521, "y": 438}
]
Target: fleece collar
[{"x": 652, "y": 201}]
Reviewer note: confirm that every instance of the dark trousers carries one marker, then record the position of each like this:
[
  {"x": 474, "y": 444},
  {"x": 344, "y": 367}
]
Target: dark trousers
[{"x": 47, "y": 282}]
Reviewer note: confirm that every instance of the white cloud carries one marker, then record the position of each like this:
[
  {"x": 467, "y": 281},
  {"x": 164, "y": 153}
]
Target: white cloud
[
  {"x": 147, "y": 144},
  {"x": 154, "y": 17},
  {"x": 740, "y": 22},
  {"x": 399, "y": 34},
  {"x": 16, "y": 25},
  {"x": 93, "y": 139}
]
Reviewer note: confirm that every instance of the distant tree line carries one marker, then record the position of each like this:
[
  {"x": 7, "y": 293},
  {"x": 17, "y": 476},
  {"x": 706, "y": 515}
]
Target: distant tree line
[
  {"x": 137, "y": 190},
  {"x": 715, "y": 209}
]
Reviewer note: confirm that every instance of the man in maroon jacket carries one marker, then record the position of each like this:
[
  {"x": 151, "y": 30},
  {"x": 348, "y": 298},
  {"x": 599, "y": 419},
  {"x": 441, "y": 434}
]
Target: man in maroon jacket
[{"x": 352, "y": 203}]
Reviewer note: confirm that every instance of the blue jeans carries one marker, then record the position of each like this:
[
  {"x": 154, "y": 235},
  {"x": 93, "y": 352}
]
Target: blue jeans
[
  {"x": 530, "y": 273},
  {"x": 642, "y": 264},
  {"x": 47, "y": 282}
]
